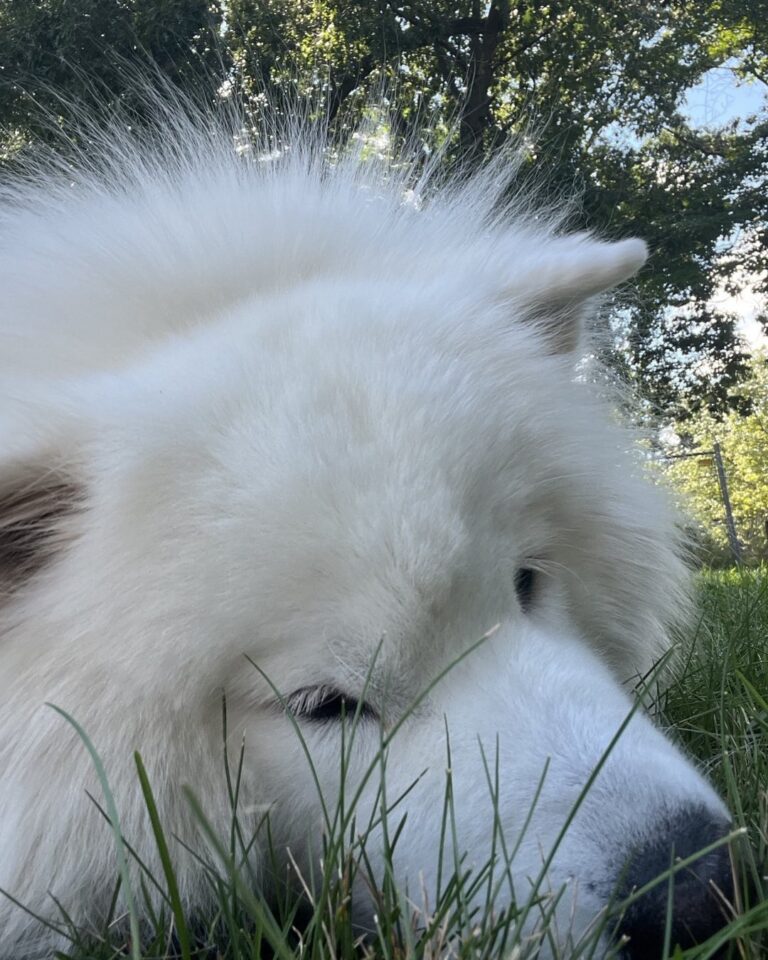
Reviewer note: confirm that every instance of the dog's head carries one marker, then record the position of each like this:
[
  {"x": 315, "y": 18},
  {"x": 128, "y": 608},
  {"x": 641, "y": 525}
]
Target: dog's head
[{"x": 363, "y": 495}]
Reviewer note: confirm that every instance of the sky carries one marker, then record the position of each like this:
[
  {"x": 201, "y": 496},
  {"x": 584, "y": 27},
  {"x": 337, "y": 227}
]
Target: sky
[{"x": 720, "y": 97}]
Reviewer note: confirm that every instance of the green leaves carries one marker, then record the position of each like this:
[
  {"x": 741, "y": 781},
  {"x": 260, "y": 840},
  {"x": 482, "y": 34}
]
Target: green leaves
[
  {"x": 602, "y": 85},
  {"x": 743, "y": 438}
]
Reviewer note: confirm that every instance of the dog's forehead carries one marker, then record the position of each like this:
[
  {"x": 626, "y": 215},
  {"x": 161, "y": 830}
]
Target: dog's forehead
[
  {"x": 347, "y": 388},
  {"x": 360, "y": 488},
  {"x": 389, "y": 447},
  {"x": 390, "y": 453}
]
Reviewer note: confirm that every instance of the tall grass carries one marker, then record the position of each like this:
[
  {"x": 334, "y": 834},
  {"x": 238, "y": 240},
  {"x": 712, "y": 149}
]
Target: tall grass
[
  {"x": 716, "y": 706},
  {"x": 718, "y": 709}
]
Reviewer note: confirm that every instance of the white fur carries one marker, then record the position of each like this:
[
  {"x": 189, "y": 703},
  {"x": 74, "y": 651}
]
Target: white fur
[{"x": 311, "y": 420}]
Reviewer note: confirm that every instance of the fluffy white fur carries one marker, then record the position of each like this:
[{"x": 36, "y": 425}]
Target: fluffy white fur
[{"x": 285, "y": 411}]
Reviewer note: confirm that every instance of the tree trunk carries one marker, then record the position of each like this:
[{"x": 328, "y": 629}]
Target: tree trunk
[{"x": 483, "y": 44}]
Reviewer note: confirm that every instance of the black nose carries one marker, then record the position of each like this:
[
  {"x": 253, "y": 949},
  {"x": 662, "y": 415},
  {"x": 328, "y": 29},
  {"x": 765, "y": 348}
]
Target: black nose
[{"x": 700, "y": 890}]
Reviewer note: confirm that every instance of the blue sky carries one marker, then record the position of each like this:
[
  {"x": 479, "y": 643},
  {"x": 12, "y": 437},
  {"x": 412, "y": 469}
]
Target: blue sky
[{"x": 720, "y": 98}]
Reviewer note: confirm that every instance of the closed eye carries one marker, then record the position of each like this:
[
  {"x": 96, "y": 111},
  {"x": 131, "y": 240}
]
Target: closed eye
[
  {"x": 326, "y": 704},
  {"x": 526, "y": 581}
]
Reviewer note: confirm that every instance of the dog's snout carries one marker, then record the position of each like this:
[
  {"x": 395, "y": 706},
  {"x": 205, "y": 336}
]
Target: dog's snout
[{"x": 701, "y": 891}]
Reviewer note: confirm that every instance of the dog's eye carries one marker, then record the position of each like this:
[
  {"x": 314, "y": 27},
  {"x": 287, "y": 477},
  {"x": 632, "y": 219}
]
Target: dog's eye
[
  {"x": 525, "y": 587},
  {"x": 327, "y": 704}
]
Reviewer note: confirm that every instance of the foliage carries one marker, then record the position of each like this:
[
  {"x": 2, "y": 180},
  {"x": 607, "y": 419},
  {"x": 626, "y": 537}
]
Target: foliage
[
  {"x": 63, "y": 56},
  {"x": 602, "y": 86},
  {"x": 743, "y": 441}
]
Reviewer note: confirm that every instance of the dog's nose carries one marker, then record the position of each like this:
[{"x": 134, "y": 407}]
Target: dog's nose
[{"x": 700, "y": 893}]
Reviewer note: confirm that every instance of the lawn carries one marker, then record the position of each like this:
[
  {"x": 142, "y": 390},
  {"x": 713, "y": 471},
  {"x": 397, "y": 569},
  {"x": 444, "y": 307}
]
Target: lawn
[{"x": 717, "y": 707}]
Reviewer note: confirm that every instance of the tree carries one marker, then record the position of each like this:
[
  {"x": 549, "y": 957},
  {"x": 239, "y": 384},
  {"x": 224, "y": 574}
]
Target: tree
[
  {"x": 743, "y": 441},
  {"x": 60, "y": 56},
  {"x": 606, "y": 81}
]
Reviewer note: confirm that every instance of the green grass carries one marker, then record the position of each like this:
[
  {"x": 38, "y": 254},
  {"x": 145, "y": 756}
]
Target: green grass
[{"x": 717, "y": 707}]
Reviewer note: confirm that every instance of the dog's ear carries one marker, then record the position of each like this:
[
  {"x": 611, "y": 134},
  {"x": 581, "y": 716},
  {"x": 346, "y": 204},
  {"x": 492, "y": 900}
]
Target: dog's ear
[
  {"x": 36, "y": 504},
  {"x": 557, "y": 281}
]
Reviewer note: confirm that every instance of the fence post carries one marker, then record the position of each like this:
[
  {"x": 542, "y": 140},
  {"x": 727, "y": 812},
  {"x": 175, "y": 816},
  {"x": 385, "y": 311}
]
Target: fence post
[{"x": 730, "y": 526}]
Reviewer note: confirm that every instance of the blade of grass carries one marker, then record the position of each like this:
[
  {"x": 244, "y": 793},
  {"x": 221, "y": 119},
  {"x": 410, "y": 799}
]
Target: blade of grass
[
  {"x": 165, "y": 859},
  {"x": 122, "y": 860}
]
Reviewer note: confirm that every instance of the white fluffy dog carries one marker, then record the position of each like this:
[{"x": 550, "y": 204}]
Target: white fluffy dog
[{"x": 282, "y": 410}]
